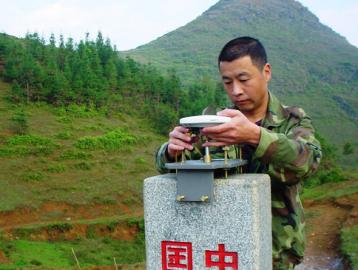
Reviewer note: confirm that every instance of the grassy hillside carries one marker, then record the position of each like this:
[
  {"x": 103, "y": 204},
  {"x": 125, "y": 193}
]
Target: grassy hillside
[
  {"x": 313, "y": 66},
  {"x": 59, "y": 160},
  {"x": 75, "y": 175}
]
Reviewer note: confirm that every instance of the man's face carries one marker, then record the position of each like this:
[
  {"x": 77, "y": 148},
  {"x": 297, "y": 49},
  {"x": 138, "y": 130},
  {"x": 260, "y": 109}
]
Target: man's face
[{"x": 246, "y": 84}]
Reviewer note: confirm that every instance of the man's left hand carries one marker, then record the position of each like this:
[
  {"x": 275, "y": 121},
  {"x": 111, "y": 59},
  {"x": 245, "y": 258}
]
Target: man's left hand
[{"x": 238, "y": 130}]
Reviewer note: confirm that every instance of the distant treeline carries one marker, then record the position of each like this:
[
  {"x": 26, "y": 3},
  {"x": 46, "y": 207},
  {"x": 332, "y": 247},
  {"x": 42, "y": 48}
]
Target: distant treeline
[{"x": 91, "y": 72}]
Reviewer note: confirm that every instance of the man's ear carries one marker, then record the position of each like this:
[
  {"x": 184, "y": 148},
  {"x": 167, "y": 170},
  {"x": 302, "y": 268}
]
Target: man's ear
[{"x": 267, "y": 72}]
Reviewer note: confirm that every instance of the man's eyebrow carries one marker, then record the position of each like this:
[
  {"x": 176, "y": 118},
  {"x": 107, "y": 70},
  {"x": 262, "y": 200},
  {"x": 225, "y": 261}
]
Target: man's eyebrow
[
  {"x": 226, "y": 78},
  {"x": 244, "y": 73},
  {"x": 241, "y": 74}
]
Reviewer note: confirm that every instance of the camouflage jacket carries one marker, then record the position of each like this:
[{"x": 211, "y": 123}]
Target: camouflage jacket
[{"x": 289, "y": 153}]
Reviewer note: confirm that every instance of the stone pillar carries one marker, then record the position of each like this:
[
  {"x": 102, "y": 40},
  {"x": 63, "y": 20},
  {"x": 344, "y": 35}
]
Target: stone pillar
[{"x": 233, "y": 231}]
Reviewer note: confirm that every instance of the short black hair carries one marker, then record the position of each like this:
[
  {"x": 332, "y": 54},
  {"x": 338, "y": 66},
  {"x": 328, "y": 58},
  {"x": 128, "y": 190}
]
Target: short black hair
[{"x": 244, "y": 46}]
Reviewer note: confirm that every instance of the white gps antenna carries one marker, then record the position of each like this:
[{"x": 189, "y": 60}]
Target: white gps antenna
[
  {"x": 202, "y": 121},
  {"x": 195, "y": 178}
]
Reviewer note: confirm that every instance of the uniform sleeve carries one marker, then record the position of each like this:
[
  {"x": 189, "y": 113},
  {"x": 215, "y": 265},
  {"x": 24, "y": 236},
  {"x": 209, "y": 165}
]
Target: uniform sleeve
[
  {"x": 161, "y": 158},
  {"x": 290, "y": 156}
]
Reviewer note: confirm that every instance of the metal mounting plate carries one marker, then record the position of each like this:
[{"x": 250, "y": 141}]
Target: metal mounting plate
[{"x": 195, "y": 178}]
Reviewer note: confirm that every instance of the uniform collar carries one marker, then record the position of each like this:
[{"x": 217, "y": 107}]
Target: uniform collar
[{"x": 275, "y": 114}]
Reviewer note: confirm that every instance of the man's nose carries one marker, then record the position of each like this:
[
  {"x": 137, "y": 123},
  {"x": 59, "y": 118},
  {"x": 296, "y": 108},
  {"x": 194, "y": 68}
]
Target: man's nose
[{"x": 236, "y": 89}]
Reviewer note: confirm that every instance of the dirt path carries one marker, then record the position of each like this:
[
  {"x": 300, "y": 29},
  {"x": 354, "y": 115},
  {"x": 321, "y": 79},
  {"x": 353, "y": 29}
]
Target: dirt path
[
  {"x": 324, "y": 222},
  {"x": 62, "y": 212}
]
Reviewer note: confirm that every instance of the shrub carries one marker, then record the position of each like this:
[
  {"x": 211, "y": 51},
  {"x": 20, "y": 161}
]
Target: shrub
[
  {"x": 349, "y": 238},
  {"x": 113, "y": 140},
  {"x": 91, "y": 231},
  {"x": 77, "y": 111},
  {"x": 348, "y": 149},
  {"x": 33, "y": 176},
  {"x": 22, "y": 145},
  {"x": 85, "y": 166},
  {"x": 60, "y": 227},
  {"x": 140, "y": 161},
  {"x": 65, "y": 135},
  {"x": 19, "y": 123},
  {"x": 328, "y": 171},
  {"x": 58, "y": 168},
  {"x": 74, "y": 155},
  {"x": 64, "y": 119}
]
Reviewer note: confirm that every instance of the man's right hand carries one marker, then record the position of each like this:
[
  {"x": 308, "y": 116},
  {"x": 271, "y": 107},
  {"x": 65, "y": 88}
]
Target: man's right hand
[{"x": 179, "y": 139}]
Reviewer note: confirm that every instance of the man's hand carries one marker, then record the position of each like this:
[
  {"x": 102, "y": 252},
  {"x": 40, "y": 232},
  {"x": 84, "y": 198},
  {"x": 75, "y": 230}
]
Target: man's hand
[
  {"x": 179, "y": 139},
  {"x": 239, "y": 130}
]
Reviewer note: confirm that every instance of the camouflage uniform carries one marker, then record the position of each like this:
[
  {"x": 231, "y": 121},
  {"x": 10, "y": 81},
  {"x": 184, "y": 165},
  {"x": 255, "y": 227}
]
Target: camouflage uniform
[{"x": 288, "y": 152}]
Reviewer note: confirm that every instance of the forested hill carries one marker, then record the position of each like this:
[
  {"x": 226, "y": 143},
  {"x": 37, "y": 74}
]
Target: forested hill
[
  {"x": 313, "y": 66},
  {"x": 300, "y": 48},
  {"x": 90, "y": 73}
]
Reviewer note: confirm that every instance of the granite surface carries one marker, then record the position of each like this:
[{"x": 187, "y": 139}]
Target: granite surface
[{"x": 184, "y": 235}]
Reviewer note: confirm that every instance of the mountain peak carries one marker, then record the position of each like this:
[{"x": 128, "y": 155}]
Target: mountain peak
[
  {"x": 285, "y": 27},
  {"x": 312, "y": 65}
]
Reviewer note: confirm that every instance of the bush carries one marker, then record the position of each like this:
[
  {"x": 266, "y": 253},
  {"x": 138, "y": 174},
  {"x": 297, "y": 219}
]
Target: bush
[
  {"x": 85, "y": 166},
  {"x": 163, "y": 117},
  {"x": 328, "y": 171},
  {"x": 113, "y": 140},
  {"x": 348, "y": 149},
  {"x": 349, "y": 238},
  {"x": 59, "y": 227},
  {"x": 77, "y": 111},
  {"x": 22, "y": 145},
  {"x": 74, "y": 155},
  {"x": 58, "y": 168},
  {"x": 65, "y": 135},
  {"x": 140, "y": 161},
  {"x": 19, "y": 123},
  {"x": 33, "y": 176}
]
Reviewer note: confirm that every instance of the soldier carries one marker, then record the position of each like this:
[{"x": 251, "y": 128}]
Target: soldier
[{"x": 275, "y": 139}]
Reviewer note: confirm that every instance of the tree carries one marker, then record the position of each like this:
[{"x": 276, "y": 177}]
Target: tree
[
  {"x": 110, "y": 74},
  {"x": 17, "y": 93},
  {"x": 31, "y": 77},
  {"x": 348, "y": 149}
]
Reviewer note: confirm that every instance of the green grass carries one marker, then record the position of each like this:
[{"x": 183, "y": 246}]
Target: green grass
[
  {"x": 113, "y": 140},
  {"x": 330, "y": 190},
  {"x": 349, "y": 247},
  {"x": 45, "y": 164},
  {"x": 24, "y": 145},
  {"x": 26, "y": 254},
  {"x": 90, "y": 252}
]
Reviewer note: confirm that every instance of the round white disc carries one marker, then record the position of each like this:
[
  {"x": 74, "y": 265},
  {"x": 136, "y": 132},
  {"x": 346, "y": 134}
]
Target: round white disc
[{"x": 202, "y": 121}]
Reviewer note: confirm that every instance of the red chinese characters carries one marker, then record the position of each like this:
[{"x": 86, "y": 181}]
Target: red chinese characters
[
  {"x": 221, "y": 259},
  {"x": 177, "y": 255}
]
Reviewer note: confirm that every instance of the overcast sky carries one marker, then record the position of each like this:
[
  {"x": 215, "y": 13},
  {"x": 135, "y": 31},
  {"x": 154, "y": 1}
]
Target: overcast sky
[{"x": 130, "y": 23}]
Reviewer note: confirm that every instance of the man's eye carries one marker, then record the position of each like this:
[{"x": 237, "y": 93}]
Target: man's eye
[
  {"x": 244, "y": 80},
  {"x": 227, "y": 82}
]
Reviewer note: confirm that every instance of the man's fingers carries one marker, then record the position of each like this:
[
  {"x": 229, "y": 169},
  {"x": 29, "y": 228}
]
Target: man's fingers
[
  {"x": 217, "y": 144},
  {"x": 180, "y": 143},
  {"x": 180, "y": 133},
  {"x": 222, "y": 139},
  {"x": 174, "y": 150},
  {"x": 229, "y": 113},
  {"x": 216, "y": 129},
  {"x": 174, "y": 147},
  {"x": 181, "y": 129}
]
